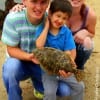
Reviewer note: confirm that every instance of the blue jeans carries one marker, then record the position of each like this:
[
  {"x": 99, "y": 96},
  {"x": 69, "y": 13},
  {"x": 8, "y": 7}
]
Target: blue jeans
[
  {"x": 82, "y": 56},
  {"x": 15, "y": 70}
]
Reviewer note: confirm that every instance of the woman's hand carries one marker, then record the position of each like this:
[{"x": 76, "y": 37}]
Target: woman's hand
[
  {"x": 83, "y": 38},
  {"x": 80, "y": 36},
  {"x": 17, "y": 8}
]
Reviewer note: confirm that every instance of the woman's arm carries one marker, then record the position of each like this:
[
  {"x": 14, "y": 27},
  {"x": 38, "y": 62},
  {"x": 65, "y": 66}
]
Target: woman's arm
[
  {"x": 91, "y": 23},
  {"x": 90, "y": 28}
]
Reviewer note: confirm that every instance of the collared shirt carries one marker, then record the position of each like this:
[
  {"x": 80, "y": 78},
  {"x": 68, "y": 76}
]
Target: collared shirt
[{"x": 63, "y": 40}]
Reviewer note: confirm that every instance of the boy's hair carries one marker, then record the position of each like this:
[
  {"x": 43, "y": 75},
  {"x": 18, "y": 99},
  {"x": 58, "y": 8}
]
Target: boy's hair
[{"x": 61, "y": 5}]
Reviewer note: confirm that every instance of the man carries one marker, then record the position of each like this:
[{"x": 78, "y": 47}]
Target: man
[{"x": 19, "y": 36}]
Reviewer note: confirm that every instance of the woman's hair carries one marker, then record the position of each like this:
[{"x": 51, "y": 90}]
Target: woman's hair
[
  {"x": 9, "y": 4},
  {"x": 61, "y": 5},
  {"x": 83, "y": 7}
]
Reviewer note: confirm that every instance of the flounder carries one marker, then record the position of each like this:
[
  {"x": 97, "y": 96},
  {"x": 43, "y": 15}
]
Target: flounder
[{"x": 52, "y": 60}]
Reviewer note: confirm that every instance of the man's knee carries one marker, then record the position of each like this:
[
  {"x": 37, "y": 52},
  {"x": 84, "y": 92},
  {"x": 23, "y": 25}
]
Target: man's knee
[
  {"x": 63, "y": 89},
  {"x": 10, "y": 68}
]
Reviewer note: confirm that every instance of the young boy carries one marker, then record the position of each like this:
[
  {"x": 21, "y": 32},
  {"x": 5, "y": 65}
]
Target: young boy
[{"x": 54, "y": 34}]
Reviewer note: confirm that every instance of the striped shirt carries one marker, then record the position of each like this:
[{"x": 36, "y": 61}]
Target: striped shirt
[{"x": 18, "y": 31}]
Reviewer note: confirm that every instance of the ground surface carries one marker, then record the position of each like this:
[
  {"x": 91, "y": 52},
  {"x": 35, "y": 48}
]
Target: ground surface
[{"x": 92, "y": 67}]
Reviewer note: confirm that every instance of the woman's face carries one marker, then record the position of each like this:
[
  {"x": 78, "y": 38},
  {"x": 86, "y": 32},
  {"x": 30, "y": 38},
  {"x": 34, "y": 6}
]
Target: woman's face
[{"x": 76, "y": 3}]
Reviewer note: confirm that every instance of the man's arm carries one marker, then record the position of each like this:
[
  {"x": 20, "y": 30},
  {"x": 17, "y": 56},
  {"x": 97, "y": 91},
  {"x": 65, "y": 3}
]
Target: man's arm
[{"x": 16, "y": 52}]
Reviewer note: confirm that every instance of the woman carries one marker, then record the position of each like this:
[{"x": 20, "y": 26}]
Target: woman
[{"x": 82, "y": 23}]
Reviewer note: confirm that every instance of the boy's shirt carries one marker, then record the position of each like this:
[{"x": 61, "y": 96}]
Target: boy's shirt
[{"x": 63, "y": 40}]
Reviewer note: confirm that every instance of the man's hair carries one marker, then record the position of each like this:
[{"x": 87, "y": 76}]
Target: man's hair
[{"x": 61, "y": 5}]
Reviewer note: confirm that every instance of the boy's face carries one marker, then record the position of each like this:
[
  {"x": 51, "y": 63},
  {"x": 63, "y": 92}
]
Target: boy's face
[
  {"x": 58, "y": 19},
  {"x": 36, "y": 8}
]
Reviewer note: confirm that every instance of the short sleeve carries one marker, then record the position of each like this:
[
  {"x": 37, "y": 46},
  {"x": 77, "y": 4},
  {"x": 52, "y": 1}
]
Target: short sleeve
[
  {"x": 10, "y": 36},
  {"x": 69, "y": 41}
]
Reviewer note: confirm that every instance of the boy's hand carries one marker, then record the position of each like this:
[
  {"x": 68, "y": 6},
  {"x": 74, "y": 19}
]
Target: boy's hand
[
  {"x": 64, "y": 74},
  {"x": 47, "y": 23}
]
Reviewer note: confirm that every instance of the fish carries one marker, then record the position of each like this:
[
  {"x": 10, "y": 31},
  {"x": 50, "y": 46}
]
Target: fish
[{"x": 52, "y": 60}]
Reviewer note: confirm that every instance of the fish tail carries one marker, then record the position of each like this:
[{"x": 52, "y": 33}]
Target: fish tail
[{"x": 79, "y": 74}]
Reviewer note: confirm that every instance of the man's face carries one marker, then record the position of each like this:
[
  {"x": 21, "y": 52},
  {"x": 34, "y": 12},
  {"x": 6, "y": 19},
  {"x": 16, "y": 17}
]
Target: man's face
[{"x": 36, "y": 8}]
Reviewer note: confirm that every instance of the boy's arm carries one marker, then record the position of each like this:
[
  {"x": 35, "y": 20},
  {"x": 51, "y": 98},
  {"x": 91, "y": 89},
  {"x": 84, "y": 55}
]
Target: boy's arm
[
  {"x": 40, "y": 41},
  {"x": 72, "y": 53}
]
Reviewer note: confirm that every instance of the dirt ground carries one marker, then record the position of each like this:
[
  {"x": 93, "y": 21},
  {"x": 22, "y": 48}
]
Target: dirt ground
[{"x": 92, "y": 67}]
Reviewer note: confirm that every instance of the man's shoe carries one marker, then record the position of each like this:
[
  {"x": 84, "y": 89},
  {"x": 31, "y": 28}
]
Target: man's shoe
[{"x": 37, "y": 94}]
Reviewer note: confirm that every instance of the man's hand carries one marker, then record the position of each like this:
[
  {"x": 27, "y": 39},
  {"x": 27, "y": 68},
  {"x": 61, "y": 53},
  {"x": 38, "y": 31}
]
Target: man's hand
[{"x": 33, "y": 59}]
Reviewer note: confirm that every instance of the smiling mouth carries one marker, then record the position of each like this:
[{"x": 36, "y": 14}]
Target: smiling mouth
[
  {"x": 76, "y": 1},
  {"x": 37, "y": 13},
  {"x": 58, "y": 24}
]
